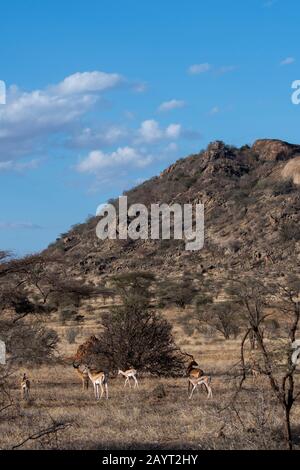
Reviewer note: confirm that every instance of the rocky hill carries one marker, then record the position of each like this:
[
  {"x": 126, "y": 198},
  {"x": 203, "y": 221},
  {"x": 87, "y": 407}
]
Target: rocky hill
[{"x": 252, "y": 214}]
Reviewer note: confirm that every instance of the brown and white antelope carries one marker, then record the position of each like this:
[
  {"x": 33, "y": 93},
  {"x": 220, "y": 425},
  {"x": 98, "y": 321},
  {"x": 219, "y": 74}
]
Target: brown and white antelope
[
  {"x": 204, "y": 380},
  {"x": 99, "y": 380},
  {"x": 25, "y": 387},
  {"x": 84, "y": 376},
  {"x": 130, "y": 373},
  {"x": 193, "y": 370}
]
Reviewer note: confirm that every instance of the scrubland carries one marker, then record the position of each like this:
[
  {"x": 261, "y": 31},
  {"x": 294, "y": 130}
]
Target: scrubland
[{"x": 157, "y": 415}]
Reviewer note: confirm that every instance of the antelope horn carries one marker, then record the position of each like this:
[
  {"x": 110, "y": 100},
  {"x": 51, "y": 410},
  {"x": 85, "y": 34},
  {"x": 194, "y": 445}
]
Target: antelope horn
[{"x": 187, "y": 354}]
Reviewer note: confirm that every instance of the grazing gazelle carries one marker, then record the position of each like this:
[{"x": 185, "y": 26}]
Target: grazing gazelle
[
  {"x": 204, "y": 380},
  {"x": 130, "y": 373},
  {"x": 99, "y": 379},
  {"x": 25, "y": 387},
  {"x": 80, "y": 369}
]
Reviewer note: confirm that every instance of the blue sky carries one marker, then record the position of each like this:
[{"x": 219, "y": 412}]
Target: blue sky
[{"x": 104, "y": 94}]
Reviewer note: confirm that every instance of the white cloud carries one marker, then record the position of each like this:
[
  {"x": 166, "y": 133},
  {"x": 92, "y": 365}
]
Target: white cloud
[
  {"x": 173, "y": 131},
  {"x": 87, "y": 82},
  {"x": 2, "y": 92},
  {"x": 288, "y": 61},
  {"x": 101, "y": 137},
  {"x": 10, "y": 165},
  {"x": 197, "y": 69},
  {"x": 98, "y": 160},
  {"x": 29, "y": 119},
  {"x": 150, "y": 131},
  {"x": 172, "y": 104}
]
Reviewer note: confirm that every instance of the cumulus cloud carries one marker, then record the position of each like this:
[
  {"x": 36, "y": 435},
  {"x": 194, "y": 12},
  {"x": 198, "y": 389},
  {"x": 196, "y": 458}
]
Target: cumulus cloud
[
  {"x": 150, "y": 131},
  {"x": 87, "y": 82},
  {"x": 98, "y": 160},
  {"x": 197, "y": 69},
  {"x": 99, "y": 137},
  {"x": 288, "y": 61},
  {"x": 61, "y": 117},
  {"x": 30, "y": 118},
  {"x": 173, "y": 131},
  {"x": 170, "y": 105}
]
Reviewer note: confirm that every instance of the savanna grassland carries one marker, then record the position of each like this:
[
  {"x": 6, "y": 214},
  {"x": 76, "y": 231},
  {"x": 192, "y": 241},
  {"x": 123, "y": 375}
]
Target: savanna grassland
[
  {"x": 239, "y": 295},
  {"x": 157, "y": 415}
]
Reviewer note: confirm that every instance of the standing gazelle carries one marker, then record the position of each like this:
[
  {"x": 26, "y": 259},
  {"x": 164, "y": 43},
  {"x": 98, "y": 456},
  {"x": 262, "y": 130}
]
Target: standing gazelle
[
  {"x": 193, "y": 370},
  {"x": 25, "y": 387},
  {"x": 99, "y": 379},
  {"x": 204, "y": 380},
  {"x": 83, "y": 375},
  {"x": 130, "y": 373}
]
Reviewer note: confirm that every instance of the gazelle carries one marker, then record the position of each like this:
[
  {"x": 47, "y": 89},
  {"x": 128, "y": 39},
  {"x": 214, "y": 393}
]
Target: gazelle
[
  {"x": 25, "y": 387},
  {"x": 99, "y": 379},
  {"x": 84, "y": 376},
  {"x": 130, "y": 373},
  {"x": 204, "y": 380},
  {"x": 193, "y": 370}
]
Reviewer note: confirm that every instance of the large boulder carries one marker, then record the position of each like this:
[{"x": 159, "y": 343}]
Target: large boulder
[{"x": 291, "y": 171}]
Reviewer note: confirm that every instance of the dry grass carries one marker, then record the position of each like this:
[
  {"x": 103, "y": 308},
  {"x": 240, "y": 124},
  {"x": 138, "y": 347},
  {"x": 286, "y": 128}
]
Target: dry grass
[{"x": 133, "y": 419}]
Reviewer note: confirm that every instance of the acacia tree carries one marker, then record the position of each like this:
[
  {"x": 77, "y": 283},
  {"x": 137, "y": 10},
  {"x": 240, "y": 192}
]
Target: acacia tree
[
  {"x": 27, "y": 340},
  {"x": 31, "y": 288},
  {"x": 222, "y": 317},
  {"x": 255, "y": 298},
  {"x": 133, "y": 284},
  {"x": 179, "y": 292},
  {"x": 135, "y": 335}
]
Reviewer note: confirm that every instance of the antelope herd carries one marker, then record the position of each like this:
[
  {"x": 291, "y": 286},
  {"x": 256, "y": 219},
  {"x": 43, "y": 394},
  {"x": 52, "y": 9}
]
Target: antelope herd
[{"x": 99, "y": 379}]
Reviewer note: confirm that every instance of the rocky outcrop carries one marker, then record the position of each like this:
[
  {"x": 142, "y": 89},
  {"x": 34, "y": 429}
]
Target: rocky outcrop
[{"x": 275, "y": 150}]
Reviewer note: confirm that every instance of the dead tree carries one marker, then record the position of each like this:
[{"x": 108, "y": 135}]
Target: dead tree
[{"x": 276, "y": 364}]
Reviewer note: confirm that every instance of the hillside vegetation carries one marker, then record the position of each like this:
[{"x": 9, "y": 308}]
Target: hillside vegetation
[{"x": 252, "y": 213}]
